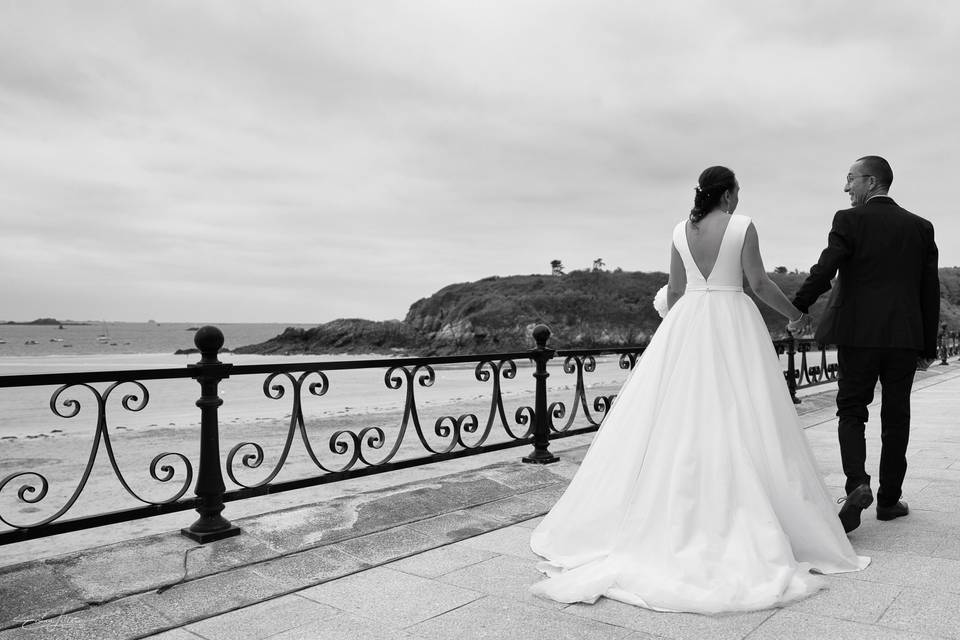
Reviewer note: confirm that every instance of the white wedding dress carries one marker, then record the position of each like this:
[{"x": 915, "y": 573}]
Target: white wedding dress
[{"x": 699, "y": 492}]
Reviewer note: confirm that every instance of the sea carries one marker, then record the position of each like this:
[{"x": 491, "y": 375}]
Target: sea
[
  {"x": 72, "y": 343},
  {"x": 27, "y": 412}
]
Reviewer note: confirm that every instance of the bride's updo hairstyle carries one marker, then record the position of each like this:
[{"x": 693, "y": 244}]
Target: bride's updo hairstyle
[{"x": 710, "y": 188}]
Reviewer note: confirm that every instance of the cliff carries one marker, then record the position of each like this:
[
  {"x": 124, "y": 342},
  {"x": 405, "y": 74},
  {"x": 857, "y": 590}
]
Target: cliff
[
  {"x": 584, "y": 309},
  {"x": 351, "y": 335}
]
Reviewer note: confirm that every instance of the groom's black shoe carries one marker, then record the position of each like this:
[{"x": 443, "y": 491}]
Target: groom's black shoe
[
  {"x": 855, "y": 502},
  {"x": 897, "y": 510}
]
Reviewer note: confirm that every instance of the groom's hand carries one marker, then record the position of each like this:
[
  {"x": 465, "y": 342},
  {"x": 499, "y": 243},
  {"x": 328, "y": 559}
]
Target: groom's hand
[
  {"x": 924, "y": 363},
  {"x": 798, "y": 326}
]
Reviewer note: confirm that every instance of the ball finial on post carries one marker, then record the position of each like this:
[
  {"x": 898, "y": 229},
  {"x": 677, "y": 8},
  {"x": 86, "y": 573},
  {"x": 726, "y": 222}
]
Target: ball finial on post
[
  {"x": 541, "y": 333},
  {"x": 209, "y": 340}
]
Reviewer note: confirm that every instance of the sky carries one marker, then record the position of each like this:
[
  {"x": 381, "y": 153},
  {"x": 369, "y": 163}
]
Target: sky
[{"x": 281, "y": 161}]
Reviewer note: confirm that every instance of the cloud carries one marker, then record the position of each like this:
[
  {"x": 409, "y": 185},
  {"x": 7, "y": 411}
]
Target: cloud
[{"x": 298, "y": 161}]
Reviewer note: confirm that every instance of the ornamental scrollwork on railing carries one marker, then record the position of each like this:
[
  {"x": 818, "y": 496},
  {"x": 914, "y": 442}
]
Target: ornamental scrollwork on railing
[
  {"x": 629, "y": 360},
  {"x": 161, "y": 468},
  {"x": 806, "y": 373},
  {"x": 454, "y": 431},
  {"x": 817, "y": 373},
  {"x": 507, "y": 370},
  {"x": 275, "y": 391},
  {"x": 579, "y": 365}
]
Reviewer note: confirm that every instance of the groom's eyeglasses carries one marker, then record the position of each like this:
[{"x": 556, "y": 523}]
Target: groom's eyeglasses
[{"x": 851, "y": 177}]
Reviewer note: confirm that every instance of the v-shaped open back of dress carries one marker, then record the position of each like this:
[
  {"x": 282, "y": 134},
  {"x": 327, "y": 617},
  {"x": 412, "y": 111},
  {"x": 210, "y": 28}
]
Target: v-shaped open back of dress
[{"x": 699, "y": 492}]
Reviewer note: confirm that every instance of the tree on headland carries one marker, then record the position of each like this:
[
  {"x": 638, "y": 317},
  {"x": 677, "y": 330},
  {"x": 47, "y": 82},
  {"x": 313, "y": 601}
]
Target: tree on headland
[
  {"x": 556, "y": 267},
  {"x": 780, "y": 270},
  {"x": 598, "y": 264}
]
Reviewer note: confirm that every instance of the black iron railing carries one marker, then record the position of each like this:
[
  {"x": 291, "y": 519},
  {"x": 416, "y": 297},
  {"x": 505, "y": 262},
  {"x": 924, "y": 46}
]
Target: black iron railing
[
  {"x": 812, "y": 370},
  {"x": 346, "y": 453}
]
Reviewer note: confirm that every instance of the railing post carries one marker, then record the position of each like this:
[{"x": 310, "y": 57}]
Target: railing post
[
  {"x": 541, "y": 421},
  {"x": 792, "y": 368},
  {"x": 942, "y": 344},
  {"x": 209, "y": 490}
]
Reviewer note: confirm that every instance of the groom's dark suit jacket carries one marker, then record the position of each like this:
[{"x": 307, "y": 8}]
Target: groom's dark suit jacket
[{"x": 889, "y": 290}]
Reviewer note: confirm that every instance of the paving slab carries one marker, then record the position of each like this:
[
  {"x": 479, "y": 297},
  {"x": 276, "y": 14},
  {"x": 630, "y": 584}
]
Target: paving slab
[
  {"x": 949, "y": 546},
  {"x": 495, "y": 618},
  {"x": 392, "y": 598},
  {"x": 793, "y": 625},
  {"x": 127, "y": 618},
  {"x": 679, "y": 626},
  {"x": 949, "y": 487},
  {"x": 106, "y": 575},
  {"x": 441, "y": 561},
  {"x": 198, "y": 599},
  {"x": 910, "y": 570},
  {"x": 513, "y": 541},
  {"x": 34, "y": 591},
  {"x": 935, "y": 502},
  {"x": 229, "y": 553},
  {"x": 307, "y": 568},
  {"x": 342, "y": 627},
  {"x": 175, "y": 634},
  {"x": 895, "y": 536},
  {"x": 925, "y": 611},
  {"x": 846, "y": 599},
  {"x": 525, "y": 477},
  {"x": 303, "y": 527},
  {"x": 457, "y": 525},
  {"x": 264, "y": 619},
  {"x": 502, "y": 577},
  {"x": 385, "y": 546}
]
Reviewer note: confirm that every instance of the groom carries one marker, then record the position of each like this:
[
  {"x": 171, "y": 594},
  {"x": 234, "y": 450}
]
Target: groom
[{"x": 882, "y": 315}]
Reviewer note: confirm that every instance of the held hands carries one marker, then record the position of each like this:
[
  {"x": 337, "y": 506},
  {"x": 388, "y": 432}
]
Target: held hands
[
  {"x": 924, "y": 363},
  {"x": 800, "y": 325}
]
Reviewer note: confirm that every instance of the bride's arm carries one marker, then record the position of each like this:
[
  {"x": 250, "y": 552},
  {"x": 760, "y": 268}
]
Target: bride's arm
[
  {"x": 678, "y": 277},
  {"x": 765, "y": 288}
]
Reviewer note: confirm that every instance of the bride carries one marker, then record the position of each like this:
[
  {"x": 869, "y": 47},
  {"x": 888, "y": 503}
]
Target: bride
[{"x": 699, "y": 492}]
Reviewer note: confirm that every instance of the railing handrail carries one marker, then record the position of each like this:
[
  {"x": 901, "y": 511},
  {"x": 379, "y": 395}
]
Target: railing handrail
[{"x": 190, "y": 370}]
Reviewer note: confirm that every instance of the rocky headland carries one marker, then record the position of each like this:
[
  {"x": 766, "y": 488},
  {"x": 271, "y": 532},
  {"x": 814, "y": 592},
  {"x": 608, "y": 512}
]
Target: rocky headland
[{"x": 584, "y": 309}]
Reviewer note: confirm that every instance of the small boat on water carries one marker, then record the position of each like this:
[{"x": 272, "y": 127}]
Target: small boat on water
[
  {"x": 2, "y": 341},
  {"x": 67, "y": 345},
  {"x": 56, "y": 339},
  {"x": 30, "y": 342}
]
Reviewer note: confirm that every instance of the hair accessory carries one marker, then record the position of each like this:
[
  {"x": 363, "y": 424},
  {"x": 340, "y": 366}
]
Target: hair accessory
[{"x": 697, "y": 189}]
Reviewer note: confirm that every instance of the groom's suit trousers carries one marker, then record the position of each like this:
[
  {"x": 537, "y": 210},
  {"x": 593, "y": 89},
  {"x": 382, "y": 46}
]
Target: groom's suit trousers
[{"x": 860, "y": 370}]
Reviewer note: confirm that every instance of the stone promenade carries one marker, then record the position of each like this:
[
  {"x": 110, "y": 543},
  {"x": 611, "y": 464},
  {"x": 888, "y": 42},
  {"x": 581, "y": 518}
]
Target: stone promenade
[{"x": 441, "y": 552}]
